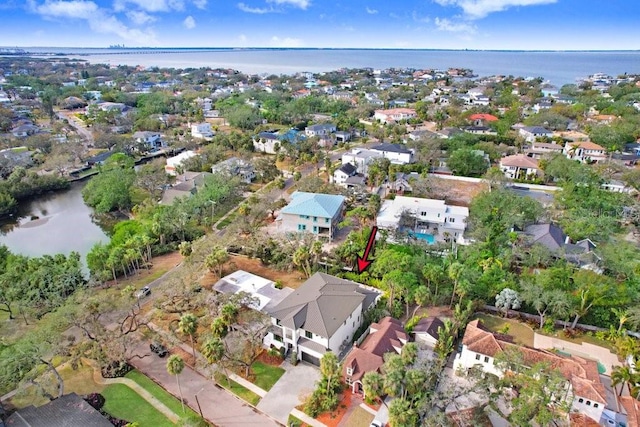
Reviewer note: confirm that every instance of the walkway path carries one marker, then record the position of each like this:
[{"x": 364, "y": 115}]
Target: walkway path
[{"x": 161, "y": 407}]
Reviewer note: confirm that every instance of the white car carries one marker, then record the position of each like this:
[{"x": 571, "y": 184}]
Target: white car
[
  {"x": 144, "y": 292},
  {"x": 376, "y": 423}
]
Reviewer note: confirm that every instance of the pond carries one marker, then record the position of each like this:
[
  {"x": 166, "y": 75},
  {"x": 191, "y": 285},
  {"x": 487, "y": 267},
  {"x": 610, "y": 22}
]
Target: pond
[{"x": 53, "y": 223}]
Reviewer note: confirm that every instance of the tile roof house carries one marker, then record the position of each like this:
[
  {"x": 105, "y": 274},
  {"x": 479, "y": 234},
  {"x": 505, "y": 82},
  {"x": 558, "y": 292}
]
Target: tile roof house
[
  {"x": 386, "y": 336},
  {"x": 322, "y": 315},
  {"x": 519, "y": 166},
  {"x": 480, "y": 347},
  {"x": 68, "y": 410},
  {"x": 312, "y": 213},
  {"x": 585, "y": 151},
  {"x": 537, "y": 150},
  {"x": 481, "y": 119},
  {"x": 632, "y": 408}
]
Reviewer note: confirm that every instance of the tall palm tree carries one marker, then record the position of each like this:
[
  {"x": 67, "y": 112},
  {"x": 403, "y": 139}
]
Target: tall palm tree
[
  {"x": 213, "y": 350},
  {"x": 188, "y": 325},
  {"x": 175, "y": 365},
  {"x": 455, "y": 272}
]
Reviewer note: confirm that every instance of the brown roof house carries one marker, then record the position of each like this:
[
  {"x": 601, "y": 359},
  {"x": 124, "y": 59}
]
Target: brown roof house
[
  {"x": 322, "y": 315},
  {"x": 632, "y": 408},
  {"x": 386, "y": 336},
  {"x": 519, "y": 166},
  {"x": 586, "y": 392}
]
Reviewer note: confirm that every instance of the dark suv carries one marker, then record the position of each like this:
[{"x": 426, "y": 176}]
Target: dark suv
[{"x": 158, "y": 349}]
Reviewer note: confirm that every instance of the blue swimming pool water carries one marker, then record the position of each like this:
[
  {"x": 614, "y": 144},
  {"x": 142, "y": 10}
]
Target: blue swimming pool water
[{"x": 424, "y": 236}]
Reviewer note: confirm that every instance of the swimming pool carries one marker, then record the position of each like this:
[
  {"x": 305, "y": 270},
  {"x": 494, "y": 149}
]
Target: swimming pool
[{"x": 424, "y": 236}]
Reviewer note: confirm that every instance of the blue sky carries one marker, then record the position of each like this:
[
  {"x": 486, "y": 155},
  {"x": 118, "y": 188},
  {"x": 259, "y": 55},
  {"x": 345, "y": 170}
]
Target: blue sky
[{"x": 431, "y": 24}]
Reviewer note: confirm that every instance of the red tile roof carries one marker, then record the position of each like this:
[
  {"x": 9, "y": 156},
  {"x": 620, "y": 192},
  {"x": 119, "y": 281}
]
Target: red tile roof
[
  {"x": 632, "y": 407},
  {"x": 582, "y": 373},
  {"x": 483, "y": 116},
  {"x": 520, "y": 161},
  {"x": 386, "y": 336}
]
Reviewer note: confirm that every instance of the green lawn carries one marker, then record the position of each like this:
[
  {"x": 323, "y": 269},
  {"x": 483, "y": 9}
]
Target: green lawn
[
  {"x": 521, "y": 333},
  {"x": 158, "y": 392},
  {"x": 122, "y": 402},
  {"x": 266, "y": 375},
  {"x": 240, "y": 391}
]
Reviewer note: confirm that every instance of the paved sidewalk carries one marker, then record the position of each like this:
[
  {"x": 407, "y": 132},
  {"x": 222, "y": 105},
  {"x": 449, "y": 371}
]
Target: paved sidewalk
[{"x": 218, "y": 406}]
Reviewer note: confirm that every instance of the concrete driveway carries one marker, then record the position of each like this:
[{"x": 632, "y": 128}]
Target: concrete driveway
[
  {"x": 218, "y": 406},
  {"x": 296, "y": 383}
]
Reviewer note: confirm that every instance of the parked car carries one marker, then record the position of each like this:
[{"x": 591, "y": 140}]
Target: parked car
[
  {"x": 376, "y": 423},
  {"x": 146, "y": 291},
  {"x": 158, "y": 349}
]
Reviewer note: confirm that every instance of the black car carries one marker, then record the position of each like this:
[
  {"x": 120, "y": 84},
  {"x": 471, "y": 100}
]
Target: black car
[{"x": 158, "y": 349}]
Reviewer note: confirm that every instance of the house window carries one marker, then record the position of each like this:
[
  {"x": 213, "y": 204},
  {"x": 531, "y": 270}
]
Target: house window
[
  {"x": 308, "y": 334},
  {"x": 452, "y": 220},
  {"x": 315, "y": 228},
  {"x": 349, "y": 371},
  {"x": 326, "y": 220},
  {"x": 580, "y": 400},
  {"x": 588, "y": 403},
  {"x": 595, "y": 405},
  {"x": 423, "y": 214},
  {"x": 348, "y": 381},
  {"x": 277, "y": 338},
  {"x": 278, "y": 322},
  {"x": 302, "y": 227},
  {"x": 477, "y": 357},
  {"x": 315, "y": 219},
  {"x": 486, "y": 359}
]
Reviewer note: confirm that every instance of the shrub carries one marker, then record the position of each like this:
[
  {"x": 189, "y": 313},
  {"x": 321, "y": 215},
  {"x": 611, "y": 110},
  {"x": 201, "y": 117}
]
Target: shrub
[
  {"x": 294, "y": 358},
  {"x": 96, "y": 400},
  {"x": 115, "y": 369}
]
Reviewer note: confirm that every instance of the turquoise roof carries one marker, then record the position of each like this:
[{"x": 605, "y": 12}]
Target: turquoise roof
[{"x": 314, "y": 204}]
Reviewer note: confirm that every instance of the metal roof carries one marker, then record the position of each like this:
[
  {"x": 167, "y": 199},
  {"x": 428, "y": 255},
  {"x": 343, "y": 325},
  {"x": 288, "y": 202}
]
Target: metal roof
[{"x": 314, "y": 204}]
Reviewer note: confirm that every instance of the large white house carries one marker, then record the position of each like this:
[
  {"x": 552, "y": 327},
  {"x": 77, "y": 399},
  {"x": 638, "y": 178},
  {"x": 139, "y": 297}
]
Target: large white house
[
  {"x": 585, "y": 151},
  {"x": 584, "y": 390},
  {"x": 398, "y": 154},
  {"x": 201, "y": 130},
  {"x": 394, "y": 115},
  {"x": 519, "y": 166},
  {"x": 174, "y": 163},
  {"x": 322, "y": 315},
  {"x": 361, "y": 159},
  {"x": 427, "y": 219},
  {"x": 531, "y": 133}
]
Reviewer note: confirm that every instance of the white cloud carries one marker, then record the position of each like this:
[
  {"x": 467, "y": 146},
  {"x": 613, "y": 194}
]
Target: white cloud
[
  {"x": 243, "y": 7},
  {"x": 454, "y": 27},
  {"x": 189, "y": 23},
  {"x": 99, "y": 20},
  {"x": 150, "y": 5},
  {"x": 200, "y": 4},
  {"x": 286, "y": 42},
  {"x": 140, "y": 17},
  {"x": 371, "y": 11},
  {"x": 417, "y": 18},
  {"x": 477, "y": 9},
  {"x": 302, "y": 4}
]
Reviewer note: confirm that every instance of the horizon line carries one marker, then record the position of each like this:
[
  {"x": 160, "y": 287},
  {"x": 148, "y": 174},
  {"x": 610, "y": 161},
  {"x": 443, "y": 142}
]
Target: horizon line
[{"x": 115, "y": 47}]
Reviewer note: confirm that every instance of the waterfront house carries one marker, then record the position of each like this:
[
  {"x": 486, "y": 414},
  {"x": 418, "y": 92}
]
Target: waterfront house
[
  {"x": 386, "y": 336},
  {"x": 427, "y": 219},
  {"x": 322, "y": 315},
  {"x": 312, "y": 213}
]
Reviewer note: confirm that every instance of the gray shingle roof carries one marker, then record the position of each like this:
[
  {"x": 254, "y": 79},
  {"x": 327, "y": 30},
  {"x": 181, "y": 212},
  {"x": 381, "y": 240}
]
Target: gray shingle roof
[
  {"x": 348, "y": 169},
  {"x": 322, "y": 303},
  {"x": 314, "y": 204},
  {"x": 549, "y": 235},
  {"x": 69, "y": 410},
  {"x": 391, "y": 148}
]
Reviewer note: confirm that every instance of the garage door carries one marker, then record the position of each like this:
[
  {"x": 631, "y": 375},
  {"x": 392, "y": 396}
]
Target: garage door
[{"x": 310, "y": 359}]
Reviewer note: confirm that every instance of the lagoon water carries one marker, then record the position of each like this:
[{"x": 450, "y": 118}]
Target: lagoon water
[
  {"x": 64, "y": 224},
  {"x": 559, "y": 67}
]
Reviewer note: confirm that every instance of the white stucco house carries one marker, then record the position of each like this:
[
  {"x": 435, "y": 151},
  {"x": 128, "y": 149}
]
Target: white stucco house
[
  {"x": 584, "y": 390},
  {"x": 531, "y": 133},
  {"x": 394, "y": 115},
  {"x": 585, "y": 151},
  {"x": 427, "y": 219},
  {"x": 201, "y": 130},
  {"x": 322, "y": 315},
  {"x": 397, "y": 154},
  {"x": 519, "y": 166}
]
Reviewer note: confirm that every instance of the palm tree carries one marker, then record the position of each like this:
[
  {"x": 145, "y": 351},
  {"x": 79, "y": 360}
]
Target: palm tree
[
  {"x": 623, "y": 375},
  {"x": 330, "y": 369},
  {"x": 175, "y": 365},
  {"x": 188, "y": 325},
  {"x": 455, "y": 272},
  {"x": 213, "y": 350}
]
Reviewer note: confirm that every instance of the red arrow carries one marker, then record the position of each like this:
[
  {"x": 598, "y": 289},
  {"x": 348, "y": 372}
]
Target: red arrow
[{"x": 363, "y": 261}]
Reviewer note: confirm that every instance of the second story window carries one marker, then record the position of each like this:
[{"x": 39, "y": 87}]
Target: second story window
[{"x": 308, "y": 334}]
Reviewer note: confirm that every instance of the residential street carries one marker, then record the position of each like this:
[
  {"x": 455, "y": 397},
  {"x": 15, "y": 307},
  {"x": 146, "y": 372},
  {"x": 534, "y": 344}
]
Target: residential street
[{"x": 218, "y": 406}]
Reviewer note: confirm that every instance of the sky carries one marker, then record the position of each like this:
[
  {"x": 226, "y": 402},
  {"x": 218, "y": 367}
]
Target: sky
[{"x": 420, "y": 24}]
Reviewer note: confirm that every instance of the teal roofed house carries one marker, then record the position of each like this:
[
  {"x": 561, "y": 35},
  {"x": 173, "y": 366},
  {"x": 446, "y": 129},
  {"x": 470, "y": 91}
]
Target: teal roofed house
[{"x": 312, "y": 213}]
